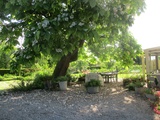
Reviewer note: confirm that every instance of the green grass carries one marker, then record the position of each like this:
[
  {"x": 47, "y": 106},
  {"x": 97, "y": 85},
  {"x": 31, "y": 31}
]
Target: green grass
[
  {"x": 8, "y": 81},
  {"x": 7, "y": 85},
  {"x": 128, "y": 75}
]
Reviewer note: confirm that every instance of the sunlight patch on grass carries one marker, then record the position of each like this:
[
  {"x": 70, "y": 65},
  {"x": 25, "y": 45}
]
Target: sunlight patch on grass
[{"x": 6, "y": 85}]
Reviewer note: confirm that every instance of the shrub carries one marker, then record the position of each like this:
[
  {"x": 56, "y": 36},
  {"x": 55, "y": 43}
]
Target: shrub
[
  {"x": 131, "y": 86},
  {"x": 93, "y": 83},
  {"x": 23, "y": 86},
  {"x": 1, "y": 78},
  {"x": 39, "y": 80},
  {"x": 132, "y": 79},
  {"x": 149, "y": 91},
  {"x": 139, "y": 84},
  {"x": 126, "y": 82},
  {"x": 62, "y": 78}
]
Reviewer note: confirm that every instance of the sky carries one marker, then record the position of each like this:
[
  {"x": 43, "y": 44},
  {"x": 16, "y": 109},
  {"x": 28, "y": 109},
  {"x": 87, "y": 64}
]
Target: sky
[{"x": 146, "y": 27}]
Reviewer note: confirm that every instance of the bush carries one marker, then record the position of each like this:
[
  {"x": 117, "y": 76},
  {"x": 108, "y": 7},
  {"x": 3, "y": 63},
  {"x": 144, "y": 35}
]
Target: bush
[
  {"x": 1, "y": 78},
  {"x": 149, "y": 91},
  {"x": 40, "y": 79},
  {"x": 132, "y": 79},
  {"x": 23, "y": 86},
  {"x": 62, "y": 78},
  {"x": 93, "y": 83},
  {"x": 139, "y": 84},
  {"x": 126, "y": 82},
  {"x": 131, "y": 87}
]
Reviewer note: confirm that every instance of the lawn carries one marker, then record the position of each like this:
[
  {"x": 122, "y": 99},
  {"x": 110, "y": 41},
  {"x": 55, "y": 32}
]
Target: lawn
[{"x": 6, "y": 85}]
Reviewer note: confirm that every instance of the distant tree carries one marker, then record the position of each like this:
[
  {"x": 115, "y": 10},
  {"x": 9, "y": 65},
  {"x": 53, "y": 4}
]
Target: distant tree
[{"x": 60, "y": 27}]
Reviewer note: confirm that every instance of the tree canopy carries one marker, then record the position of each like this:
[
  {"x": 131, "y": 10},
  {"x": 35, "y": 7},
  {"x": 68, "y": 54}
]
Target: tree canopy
[{"x": 60, "y": 27}]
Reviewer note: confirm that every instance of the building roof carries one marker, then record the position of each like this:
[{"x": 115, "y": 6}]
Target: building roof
[{"x": 153, "y": 50}]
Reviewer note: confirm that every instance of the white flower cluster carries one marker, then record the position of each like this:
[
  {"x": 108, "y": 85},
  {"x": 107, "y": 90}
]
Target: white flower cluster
[
  {"x": 63, "y": 5},
  {"x": 45, "y": 23},
  {"x": 64, "y": 17},
  {"x": 85, "y": 30},
  {"x": 81, "y": 24},
  {"x": 58, "y": 50},
  {"x": 118, "y": 10},
  {"x": 92, "y": 25},
  {"x": 28, "y": 57},
  {"x": 73, "y": 24},
  {"x": 71, "y": 16}
]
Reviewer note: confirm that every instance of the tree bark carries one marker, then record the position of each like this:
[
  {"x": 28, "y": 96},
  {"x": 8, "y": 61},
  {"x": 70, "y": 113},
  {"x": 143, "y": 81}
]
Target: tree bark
[{"x": 63, "y": 64}]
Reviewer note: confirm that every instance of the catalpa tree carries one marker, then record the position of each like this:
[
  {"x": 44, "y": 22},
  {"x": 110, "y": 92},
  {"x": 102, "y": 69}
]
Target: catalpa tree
[{"x": 60, "y": 27}]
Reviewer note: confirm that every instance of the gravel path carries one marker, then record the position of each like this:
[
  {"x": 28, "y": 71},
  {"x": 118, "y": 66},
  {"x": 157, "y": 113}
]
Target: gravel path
[{"x": 112, "y": 103}]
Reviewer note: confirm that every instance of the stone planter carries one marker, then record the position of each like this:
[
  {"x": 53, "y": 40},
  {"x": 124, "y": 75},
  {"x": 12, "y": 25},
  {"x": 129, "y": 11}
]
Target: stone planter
[
  {"x": 63, "y": 85},
  {"x": 93, "y": 90},
  {"x": 150, "y": 96},
  {"x": 140, "y": 90}
]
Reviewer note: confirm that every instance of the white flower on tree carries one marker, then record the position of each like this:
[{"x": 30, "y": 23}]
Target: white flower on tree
[
  {"x": 73, "y": 24},
  {"x": 58, "y": 50},
  {"x": 81, "y": 24}
]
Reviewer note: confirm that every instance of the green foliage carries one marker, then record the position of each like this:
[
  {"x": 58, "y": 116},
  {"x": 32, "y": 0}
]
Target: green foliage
[
  {"x": 9, "y": 77},
  {"x": 57, "y": 28},
  {"x": 15, "y": 67},
  {"x": 62, "y": 78},
  {"x": 5, "y": 55},
  {"x": 149, "y": 91},
  {"x": 131, "y": 69},
  {"x": 131, "y": 86},
  {"x": 36, "y": 80},
  {"x": 123, "y": 51},
  {"x": 78, "y": 66},
  {"x": 23, "y": 86},
  {"x": 132, "y": 82},
  {"x": 28, "y": 78},
  {"x": 1, "y": 78},
  {"x": 156, "y": 81},
  {"x": 39, "y": 80},
  {"x": 126, "y": 82},
  {"x": 27, "y": 71},
  {"x": 4, "y": 71},
  {"x": 93, "y": 83},
  {"x": 139, "y": 84},
  {"x": 76, "y": 76}
]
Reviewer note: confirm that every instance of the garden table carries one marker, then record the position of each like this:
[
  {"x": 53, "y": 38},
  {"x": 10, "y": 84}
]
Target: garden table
[{"x": 109, "y": 76}]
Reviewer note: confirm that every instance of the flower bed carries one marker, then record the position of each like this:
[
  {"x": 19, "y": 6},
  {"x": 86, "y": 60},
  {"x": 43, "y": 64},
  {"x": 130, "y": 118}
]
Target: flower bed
[
  {"x": 156, "y": 103},
  {"x": 157, "y": 109}
]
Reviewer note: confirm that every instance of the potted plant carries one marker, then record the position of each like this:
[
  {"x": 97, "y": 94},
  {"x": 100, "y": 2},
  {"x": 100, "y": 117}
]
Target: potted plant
[
  {"x": 62, "y": 80},
  {"x": 139, "y": 87},
  {"x": 149, "y": 93},
  {"x": 93, "y": 86}
]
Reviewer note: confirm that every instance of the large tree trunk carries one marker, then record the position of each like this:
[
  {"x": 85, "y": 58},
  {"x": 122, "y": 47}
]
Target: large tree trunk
[{"x": 63, "y": 64}]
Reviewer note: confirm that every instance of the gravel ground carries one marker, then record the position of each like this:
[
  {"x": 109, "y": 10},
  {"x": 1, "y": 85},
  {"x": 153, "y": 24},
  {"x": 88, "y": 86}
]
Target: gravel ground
[{"x": 112, "y": 103}]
